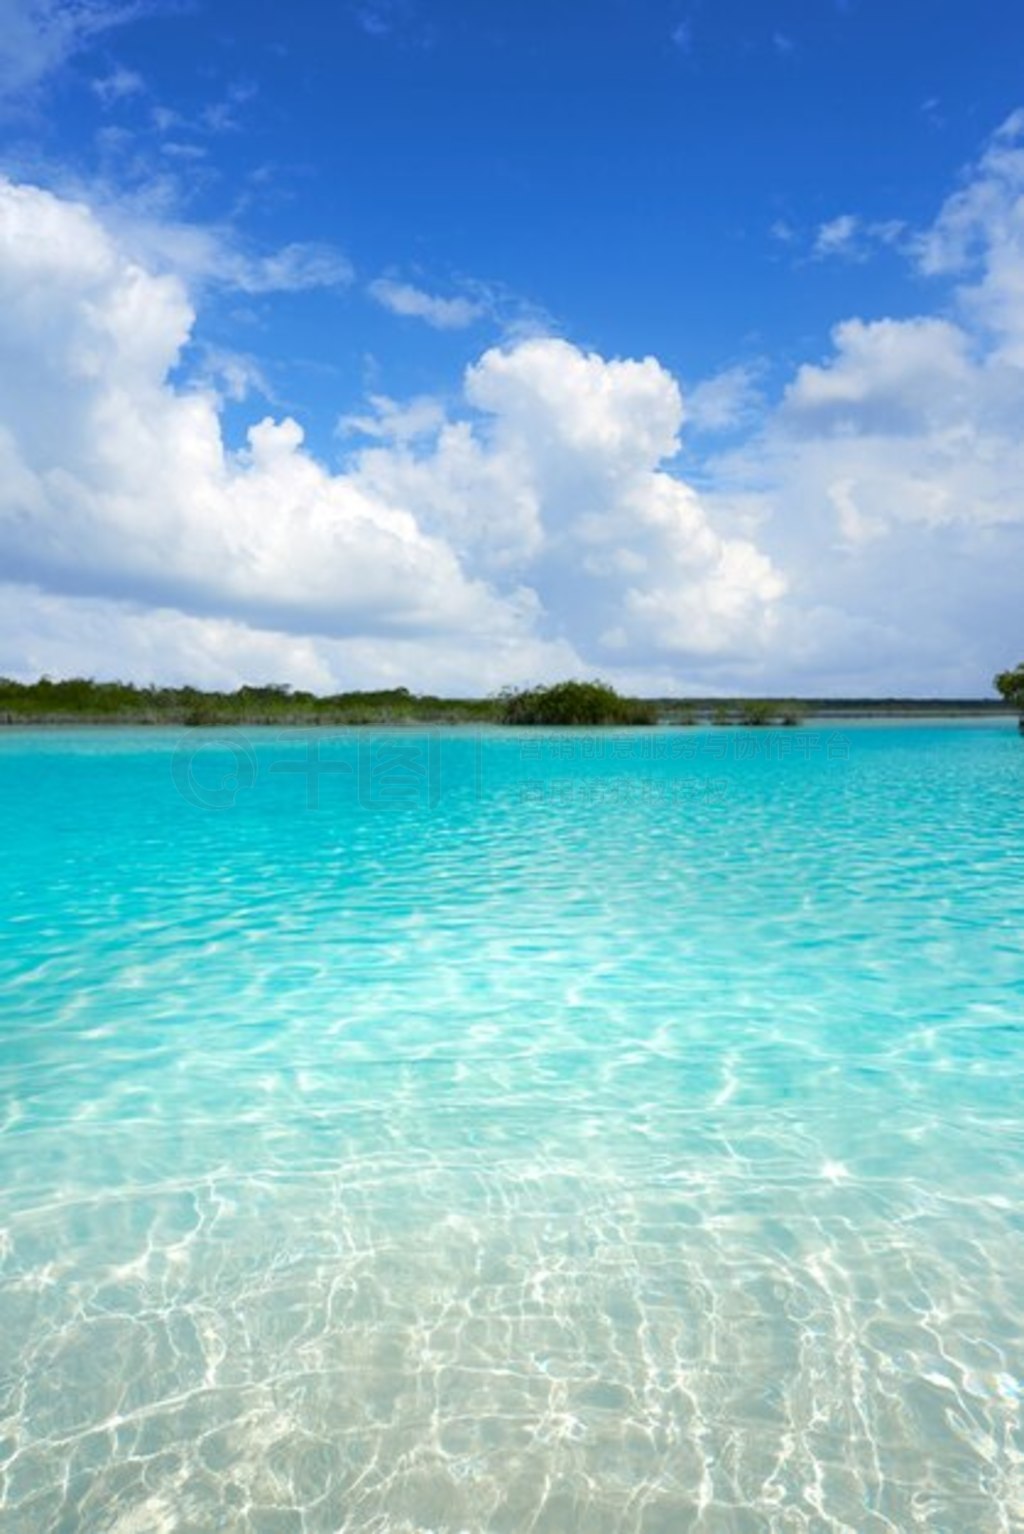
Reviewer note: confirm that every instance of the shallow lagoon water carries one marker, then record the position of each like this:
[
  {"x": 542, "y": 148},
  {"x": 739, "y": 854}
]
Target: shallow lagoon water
[{"x": 579, "y": 1132}]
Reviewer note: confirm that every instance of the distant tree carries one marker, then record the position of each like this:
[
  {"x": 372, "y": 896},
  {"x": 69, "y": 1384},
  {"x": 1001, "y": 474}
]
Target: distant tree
[
  {"x": 764, "y": 711},
  {"x": 1010, "y": 684},
  {"x": 758, "y": 711}
]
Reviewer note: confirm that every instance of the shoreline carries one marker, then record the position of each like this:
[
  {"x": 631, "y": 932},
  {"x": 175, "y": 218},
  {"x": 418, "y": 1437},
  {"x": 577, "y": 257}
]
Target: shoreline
[{"x": 851, "y": 714}]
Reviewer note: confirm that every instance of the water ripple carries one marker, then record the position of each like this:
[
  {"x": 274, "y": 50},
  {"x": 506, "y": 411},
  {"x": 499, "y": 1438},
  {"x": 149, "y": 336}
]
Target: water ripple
[{"x": 601, "y": 1137}]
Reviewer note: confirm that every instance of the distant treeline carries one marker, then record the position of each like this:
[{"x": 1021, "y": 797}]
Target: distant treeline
[
  {"x": 735, "y": 710},
  {"x": 80, "y": 700}
]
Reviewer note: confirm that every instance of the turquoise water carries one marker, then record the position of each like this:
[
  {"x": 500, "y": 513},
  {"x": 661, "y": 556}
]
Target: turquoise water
[{"x": 514, "y": 1133}]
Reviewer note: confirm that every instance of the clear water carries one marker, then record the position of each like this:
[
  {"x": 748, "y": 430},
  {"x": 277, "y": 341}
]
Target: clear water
[{"x": 550, "y": 1134}]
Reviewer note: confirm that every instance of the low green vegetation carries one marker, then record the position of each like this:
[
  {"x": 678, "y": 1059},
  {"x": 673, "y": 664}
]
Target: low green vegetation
[
  {"x": 671, "y": 711},
  {"x": 573, "y": 703},
  {"x": 79, "y": 700},
  {"x": 758, "y": 713}
]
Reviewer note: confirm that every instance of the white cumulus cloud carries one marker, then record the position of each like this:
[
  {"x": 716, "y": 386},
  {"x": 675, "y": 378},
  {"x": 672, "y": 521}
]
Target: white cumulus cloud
[
  {"x": 561, "y": 478},
  {"x": 113, "y": 481},
  {"x": 889, "y": 482},
  {"x": 538, "y": 525}
]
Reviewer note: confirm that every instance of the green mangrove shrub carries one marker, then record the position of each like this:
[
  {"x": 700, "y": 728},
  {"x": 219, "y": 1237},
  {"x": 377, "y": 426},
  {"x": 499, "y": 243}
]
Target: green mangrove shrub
[
  {"x": 759, "y": 712},
  {"x": 572, "y": 703},
  {"x": 1010, "y": 685}
]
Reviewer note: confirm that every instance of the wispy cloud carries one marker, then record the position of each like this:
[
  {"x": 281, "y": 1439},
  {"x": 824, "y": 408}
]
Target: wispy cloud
[
  {"x": 405, "y": 299},
  {"x": 682, "y": 35},
  {"x": 517, "y": 318},
  {"x": 979, "y": 239},
  {"x": 727, "y": 400},
  {"x": 222, "y": 116},
  {"x": 389, "y": 420},
  {"x": 298, "y": 266},
  {"x": 214, "y": 255},
  {"x": 931, "y": 111},
  {"x": 839, "y": 237},
  {"x": 376, "y": 20},
  {"x": 394, "y": 19},
  {"x": 783, "y": 231},
  {"x": 233, "y": 375},
  {"x": 852, "y": 238},
  {"x": 38, "y": 37},
  {"x": 150, "y": 222},
  {"x": 120, "y": 85}
]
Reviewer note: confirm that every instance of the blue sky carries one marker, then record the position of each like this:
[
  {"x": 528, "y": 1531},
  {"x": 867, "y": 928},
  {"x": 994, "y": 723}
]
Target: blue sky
[{"x": 678, "y": 344}]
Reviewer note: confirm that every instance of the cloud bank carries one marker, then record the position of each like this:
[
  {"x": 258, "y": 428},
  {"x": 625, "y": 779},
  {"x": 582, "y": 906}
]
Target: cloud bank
[{"x": 866, "y": 536}]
